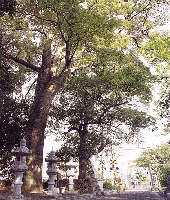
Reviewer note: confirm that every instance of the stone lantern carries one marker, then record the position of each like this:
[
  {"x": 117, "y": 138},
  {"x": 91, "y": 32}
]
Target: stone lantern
[
  {"x": 52, "y": 171},
  {"x": 19, "y": 166},
  {"x": 71, "y": 166}
]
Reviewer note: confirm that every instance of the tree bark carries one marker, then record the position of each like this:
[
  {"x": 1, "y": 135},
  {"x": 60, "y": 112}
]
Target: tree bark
[
  {"x": 82, "y": 168},
  {"x": 83, "y": 157},
  {"x": 48, "y": 84}
]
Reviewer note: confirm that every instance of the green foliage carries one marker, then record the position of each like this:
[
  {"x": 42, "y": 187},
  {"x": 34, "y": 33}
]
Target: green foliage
[
  {"x": 157, "y": 159},
  {"x": 13, "y": 117},
  {"x": 95, "y": 28},
  {"x": 141, "y": 177},
  {"x": 158, "y": 52},
  {"x": 11, "y": 79},
  {"x": 159, "y": 154},
  {"x": 13, "y": 114},
  {"x": 158, "y": 48},
  {"x": 164, "y": 173},
  {"x": 107, "y": 184}
]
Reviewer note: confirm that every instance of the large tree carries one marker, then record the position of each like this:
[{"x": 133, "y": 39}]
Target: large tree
[
  {"x": 96, "y": 106},
  {"x": 51, "y": 38}
]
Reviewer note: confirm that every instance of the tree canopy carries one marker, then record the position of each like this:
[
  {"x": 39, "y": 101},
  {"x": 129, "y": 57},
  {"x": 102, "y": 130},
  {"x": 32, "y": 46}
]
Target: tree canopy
[{"x": 97, "y": 108}]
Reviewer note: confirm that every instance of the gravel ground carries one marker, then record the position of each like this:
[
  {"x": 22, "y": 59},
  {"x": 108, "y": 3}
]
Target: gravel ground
[
  {"x": 135, "y": 195},
  {"x": 127, "y": 195}
]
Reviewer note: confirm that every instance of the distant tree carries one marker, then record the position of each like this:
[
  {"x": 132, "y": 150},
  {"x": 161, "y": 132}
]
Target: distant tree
[
  {"x": 164, "y": 173},
  {"x": 141, "y": 177},
  {"x": 158, "y": 160},
  {"x": 97, "y": 108}
]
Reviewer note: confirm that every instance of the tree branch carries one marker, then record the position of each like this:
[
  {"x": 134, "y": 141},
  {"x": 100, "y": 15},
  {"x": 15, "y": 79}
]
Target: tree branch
[
  {"x": 71, "y": 31},
  {"x": 22, "y": 62},
  {"x": 35, "y": 30},
  {"x": 98, "y": 121},
  {"x": 136, "y": 41},
  {"x": 60, "y": 29},
  {"x": 130, "y": 16},
  {"x": 67, "y": 56},
  {"x": 75, "y": 50},
  {"x": 72, "y": 129},
  {"x": 30, "y": 88}
]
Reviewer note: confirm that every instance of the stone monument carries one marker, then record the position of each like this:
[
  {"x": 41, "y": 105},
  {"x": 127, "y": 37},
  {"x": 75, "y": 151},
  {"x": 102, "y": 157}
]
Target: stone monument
[
  {"x": 95, "y": 180},
  {"x": 19, "y": 167}
]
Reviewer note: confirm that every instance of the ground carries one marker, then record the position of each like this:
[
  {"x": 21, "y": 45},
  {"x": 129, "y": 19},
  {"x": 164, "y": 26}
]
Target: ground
[
  {"x": 136, "y": 195},
  {"x": 127, "y": 195}
]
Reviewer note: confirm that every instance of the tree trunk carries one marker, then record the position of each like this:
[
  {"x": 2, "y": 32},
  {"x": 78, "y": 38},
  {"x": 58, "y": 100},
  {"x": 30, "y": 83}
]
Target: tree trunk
[
  {"x": 47, "y": 87},
  {"x": 82, "y": 168},
  {"x": 83, "y": 157},
  {"x": 48, "y": 84}
]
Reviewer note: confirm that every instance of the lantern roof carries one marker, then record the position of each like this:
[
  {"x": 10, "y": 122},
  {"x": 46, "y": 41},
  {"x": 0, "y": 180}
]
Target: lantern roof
[
  {"x": 52, "y": 157},
  {"x": 22, "y": 149}
]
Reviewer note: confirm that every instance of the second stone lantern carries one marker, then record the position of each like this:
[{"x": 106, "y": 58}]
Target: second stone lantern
[
  {"x": 71, "y": 166},
  {"x": 52, "y": 170}
]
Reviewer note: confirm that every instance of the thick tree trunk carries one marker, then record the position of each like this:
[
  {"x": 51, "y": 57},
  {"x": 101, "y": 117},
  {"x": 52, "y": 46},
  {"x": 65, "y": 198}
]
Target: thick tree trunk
[{"x": 47, "y": 86}]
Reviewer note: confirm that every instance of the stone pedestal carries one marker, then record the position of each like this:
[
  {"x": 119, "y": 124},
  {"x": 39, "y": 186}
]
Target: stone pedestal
[
  {"x": 71, "y": 183},
  {"x": 100, "y": 183},
  {"x": 18, "y": 183},
  {"x": 61, "y": 190},
  {"x": 51, "y": 181}
]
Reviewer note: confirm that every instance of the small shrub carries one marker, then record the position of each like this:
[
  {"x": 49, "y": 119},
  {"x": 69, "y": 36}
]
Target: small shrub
[{"x": 107, "y": 184}]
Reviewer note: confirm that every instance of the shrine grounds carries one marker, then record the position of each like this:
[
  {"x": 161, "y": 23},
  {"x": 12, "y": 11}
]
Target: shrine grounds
[{"x": 127, "y": 195}]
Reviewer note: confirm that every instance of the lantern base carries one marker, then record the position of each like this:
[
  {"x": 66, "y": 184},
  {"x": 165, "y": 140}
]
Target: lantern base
[
  {"x": 71, "y": 192},
  {"x": 53, "y": 194},
  {"x": 16, "y": 197}
]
